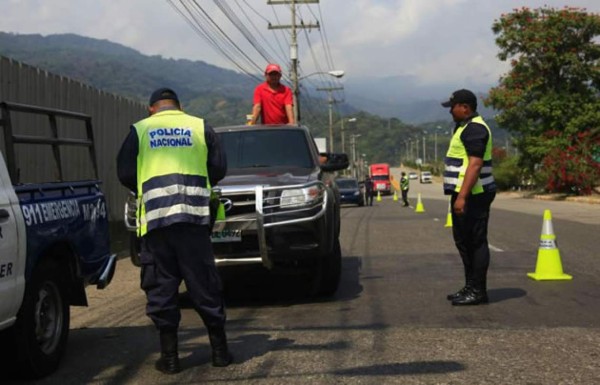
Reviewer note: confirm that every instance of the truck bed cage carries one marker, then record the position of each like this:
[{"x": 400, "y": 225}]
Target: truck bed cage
[{"x": 10, "y": 139}]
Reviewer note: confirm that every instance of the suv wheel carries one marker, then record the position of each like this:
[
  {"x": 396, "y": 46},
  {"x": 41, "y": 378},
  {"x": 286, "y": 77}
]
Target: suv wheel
[{"x": 43, "y": 321}]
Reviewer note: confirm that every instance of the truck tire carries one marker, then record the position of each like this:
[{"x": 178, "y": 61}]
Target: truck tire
[
  {"x": 134, "y": 249},
  {"x": 42, "y": 326}
]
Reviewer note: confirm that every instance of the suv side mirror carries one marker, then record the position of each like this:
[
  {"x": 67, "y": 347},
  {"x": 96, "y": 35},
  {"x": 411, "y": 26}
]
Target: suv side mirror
[{"x": 334, "y": 161}]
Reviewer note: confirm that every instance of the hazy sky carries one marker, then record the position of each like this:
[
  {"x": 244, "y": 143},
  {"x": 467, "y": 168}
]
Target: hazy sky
[{"x": 420, "y": 38}]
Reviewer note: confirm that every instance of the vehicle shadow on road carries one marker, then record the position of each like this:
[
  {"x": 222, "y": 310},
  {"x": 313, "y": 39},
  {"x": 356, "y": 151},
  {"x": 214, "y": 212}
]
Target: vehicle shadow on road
[
  {"x": 254, "y": 286},
  {"x": 403, "y": 368},
  {"x": 503, "y": 294}
]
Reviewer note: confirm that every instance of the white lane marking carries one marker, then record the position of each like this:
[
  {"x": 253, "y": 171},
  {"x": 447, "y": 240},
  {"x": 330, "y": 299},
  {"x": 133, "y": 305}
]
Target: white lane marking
[{"x": 494, "y": 248}]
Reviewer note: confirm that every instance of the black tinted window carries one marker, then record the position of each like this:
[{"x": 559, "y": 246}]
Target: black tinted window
[{"x": 269, "y": 148}]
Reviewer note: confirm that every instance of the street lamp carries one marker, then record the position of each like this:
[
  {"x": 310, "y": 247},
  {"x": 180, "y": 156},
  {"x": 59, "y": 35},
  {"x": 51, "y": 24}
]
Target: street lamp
[{"x": 335, "y": 73}]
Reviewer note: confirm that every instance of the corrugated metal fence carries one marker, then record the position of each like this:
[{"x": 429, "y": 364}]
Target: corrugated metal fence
[{"x": 111, "y": 117}]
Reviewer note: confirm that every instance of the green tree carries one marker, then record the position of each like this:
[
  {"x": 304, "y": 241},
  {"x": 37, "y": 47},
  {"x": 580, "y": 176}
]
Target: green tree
[{"x": 554, "y": 82}]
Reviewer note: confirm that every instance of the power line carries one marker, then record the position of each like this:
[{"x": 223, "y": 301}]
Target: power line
[
  {"x": 207, "y": 28},
  {"x": 242, "y": 28},
  {"x": 251, "y": 22}
]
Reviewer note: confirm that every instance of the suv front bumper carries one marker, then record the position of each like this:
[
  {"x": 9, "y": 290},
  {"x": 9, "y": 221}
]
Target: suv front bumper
[
  {"x": 264, "y": 223},
  {"x": 273, "y": 227}
]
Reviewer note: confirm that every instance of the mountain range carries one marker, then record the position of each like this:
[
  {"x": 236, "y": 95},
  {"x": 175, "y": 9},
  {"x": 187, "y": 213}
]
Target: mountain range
[
  {"x": 388, "y": 111},
  {"x": 224, "y": 93}
]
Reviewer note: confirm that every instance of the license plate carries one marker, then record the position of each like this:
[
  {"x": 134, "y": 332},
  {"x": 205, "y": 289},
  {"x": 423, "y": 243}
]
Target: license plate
[{"x": 226, "y": 236}]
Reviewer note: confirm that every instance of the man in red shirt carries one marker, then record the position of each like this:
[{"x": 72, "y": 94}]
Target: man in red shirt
[{"x": 272, "y": 100}]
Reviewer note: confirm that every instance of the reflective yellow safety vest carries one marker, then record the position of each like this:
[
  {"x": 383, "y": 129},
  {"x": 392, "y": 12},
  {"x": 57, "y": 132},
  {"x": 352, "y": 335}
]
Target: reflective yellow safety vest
[
  {"x": 457, "y": 160},
  {"x": 172, "y": 176},
  {"x": 404, "y": 183}
]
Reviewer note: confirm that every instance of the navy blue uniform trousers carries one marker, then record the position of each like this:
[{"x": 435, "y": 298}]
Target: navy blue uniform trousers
[
  {"x": 470, "y": 236},
  {"x": 174, "y": 253}
]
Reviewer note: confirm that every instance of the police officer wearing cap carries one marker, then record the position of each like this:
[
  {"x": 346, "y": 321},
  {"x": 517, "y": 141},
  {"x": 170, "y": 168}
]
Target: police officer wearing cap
[
  {"x": 469, "y": 181},
  {"x": 171, "y": 160}
]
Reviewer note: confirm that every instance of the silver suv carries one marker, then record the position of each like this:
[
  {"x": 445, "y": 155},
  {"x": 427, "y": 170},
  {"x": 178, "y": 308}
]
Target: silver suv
[{"x": 425, "y": 177}]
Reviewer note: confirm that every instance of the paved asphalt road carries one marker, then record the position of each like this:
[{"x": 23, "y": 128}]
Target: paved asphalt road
[{"x": 389, "y": 322}]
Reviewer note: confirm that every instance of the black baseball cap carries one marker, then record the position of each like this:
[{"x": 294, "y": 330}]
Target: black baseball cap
[
  {"x": 461, "y": 97},
  {"x": 163, "y": 94}
]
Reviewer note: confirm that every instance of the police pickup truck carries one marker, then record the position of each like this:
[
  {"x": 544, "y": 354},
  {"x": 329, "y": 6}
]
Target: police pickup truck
[
  {"x": 53, "y": 242},
  {"x": 281, "y": 203}
]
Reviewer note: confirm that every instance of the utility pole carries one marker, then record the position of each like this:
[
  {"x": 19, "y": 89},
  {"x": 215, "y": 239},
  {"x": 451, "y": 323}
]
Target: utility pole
[
  {"x": 417, "y": 147},
  {"x": 353, "y": 164},
  {"x": 331, "y": 102},
  {"x": 350, "y": 120},
  {"x": 294, "y": 47},
  {"x": 435, "y": 146},
  {"x": 424, "y": 149}
]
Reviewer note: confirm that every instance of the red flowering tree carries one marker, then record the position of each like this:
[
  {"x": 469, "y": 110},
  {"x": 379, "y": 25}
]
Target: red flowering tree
[
  {"x": 553, "y": 85},
  {"x": 573, "y": 167}
]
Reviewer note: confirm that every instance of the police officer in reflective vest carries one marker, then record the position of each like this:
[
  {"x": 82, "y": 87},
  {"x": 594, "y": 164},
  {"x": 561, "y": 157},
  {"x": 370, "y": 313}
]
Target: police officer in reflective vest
[
  {"x": 171, "y": 160},
  {"x": 404, "y": 186},
  {"x": 469, "y": 181}
]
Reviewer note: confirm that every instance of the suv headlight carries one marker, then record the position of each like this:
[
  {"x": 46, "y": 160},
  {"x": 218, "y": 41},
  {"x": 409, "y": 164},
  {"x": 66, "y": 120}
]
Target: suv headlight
[{"x": 300, "y": 197}]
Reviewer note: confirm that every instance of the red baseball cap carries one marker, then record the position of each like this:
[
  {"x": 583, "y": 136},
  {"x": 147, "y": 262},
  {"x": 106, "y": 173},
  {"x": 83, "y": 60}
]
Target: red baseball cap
[{"x": 273, "y": 68}]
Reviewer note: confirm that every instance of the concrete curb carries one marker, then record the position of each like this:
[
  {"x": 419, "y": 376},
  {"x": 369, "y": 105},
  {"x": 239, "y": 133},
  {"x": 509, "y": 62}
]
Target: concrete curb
[{"x": 591, "y": 199}]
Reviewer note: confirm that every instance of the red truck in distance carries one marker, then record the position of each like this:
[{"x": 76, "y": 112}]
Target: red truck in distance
[{"x": 380, "y": 175}]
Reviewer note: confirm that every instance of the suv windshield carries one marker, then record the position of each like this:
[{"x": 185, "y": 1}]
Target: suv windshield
[
  {"x": 347, "y": 183},
  {"x": 269, "y": 148}
]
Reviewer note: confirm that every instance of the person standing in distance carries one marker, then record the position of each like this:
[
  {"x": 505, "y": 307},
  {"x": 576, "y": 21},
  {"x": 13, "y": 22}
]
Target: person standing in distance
[
  {"x": 404, "y": 186},
  {"x": 469, "y": 181},
  {"x": 171, "y": 160},
  {"x": 273, "y": 101},
  {"x": 369, "y": 191}
]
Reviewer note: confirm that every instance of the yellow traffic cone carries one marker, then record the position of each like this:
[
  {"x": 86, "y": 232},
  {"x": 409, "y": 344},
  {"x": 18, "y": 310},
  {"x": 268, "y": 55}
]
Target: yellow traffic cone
[
  {"x": 419, "y": 208},
  {"x": 449, "y": 216},
  {"x": 378, "y": 196},
  {"x": 395, "y": 196},
  {"x": 548, "y": 266}
]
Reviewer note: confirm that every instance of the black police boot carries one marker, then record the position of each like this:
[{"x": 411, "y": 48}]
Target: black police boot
[
  {"x": 218, "y": 341},
  {"x": 458, "y": 294},
  {"x": 472, "y": 297},
  {"x": 168, "y": 362}
]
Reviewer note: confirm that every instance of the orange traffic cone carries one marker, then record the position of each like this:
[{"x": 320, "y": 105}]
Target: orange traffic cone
[{"x": 548, "y": 266}]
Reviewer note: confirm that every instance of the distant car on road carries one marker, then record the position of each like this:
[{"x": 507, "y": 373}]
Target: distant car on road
[
  {"x": 426, "y": 177},
  {"x": 350, "y": 191},
  {"x": 412, "y": 175}
]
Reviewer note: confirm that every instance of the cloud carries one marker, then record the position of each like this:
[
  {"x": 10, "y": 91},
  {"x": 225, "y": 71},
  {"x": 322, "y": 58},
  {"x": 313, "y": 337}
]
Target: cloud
[{"x": 433, "y": 41}]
